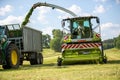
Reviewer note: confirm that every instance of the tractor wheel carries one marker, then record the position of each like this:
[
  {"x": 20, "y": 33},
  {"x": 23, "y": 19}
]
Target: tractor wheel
[
  {"x": 59, "y": 61},
  {"x": 12, "y": 57},
  {"x": 6, "y": 67}
]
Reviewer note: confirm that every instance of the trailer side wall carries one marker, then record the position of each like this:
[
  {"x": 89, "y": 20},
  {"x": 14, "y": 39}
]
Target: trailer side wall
[{"x": 32, "y": 40}]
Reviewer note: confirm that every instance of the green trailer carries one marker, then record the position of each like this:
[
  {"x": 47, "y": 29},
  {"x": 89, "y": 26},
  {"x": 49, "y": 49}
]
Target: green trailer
[{"x": 81, "y": 41}]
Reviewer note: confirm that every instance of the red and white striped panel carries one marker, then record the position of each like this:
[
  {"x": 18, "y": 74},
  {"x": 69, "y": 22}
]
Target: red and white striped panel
[
  {"x": 81, "y": 46},
  {"x": 66, "y": 37},
  {"x": 98, "y": 35}
]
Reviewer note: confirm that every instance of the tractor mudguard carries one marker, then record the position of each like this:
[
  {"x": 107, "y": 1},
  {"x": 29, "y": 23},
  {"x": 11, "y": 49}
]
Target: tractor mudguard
[
  {"x": 5, "y": 46},
  {"x": 3, "y": 51}
]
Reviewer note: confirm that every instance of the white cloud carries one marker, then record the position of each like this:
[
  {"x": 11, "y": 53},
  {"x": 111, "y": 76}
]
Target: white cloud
[
  {"x": 4, "y": 10},
  {"x": 118, "y": 1},
  {"x": 100, "y": 0},
  {"x": 75, "y": 9},
  {"x": 99, "y": 9},
  {"x": 47, "y": 30},
  {"x": 42, "y": 14},
  {"x": 110, "y": 25},
  {"x": 110, "y": 30},
  {"x": 11, "y": 20}
]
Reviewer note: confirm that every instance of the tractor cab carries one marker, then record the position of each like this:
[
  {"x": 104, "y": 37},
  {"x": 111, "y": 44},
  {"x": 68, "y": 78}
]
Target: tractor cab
[
  {"x": 3, "y": 33},
  {"x": 81, "y": 28}
]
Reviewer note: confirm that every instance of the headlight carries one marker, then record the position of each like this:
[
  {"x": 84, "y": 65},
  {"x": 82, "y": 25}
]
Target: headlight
[{"x": 3, "y": 40}]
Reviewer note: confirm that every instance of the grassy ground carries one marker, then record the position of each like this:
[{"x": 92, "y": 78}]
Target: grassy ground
[{"x": 50, "y": 71}]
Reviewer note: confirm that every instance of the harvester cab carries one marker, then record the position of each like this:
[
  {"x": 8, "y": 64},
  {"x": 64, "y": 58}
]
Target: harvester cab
[
  {"x": 81, "y": 40},
  {"x": 84, "y": 28}
]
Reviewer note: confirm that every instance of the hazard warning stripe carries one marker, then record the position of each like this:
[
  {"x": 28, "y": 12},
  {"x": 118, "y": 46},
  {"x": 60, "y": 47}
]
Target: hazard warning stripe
[
  {"x": 65, "y": 37},
  {"x": 98, "y": 35},
  {"x": 77, "y": 46}
]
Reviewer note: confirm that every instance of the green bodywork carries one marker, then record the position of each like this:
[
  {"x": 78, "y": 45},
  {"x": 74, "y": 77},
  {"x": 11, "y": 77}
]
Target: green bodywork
[
  {"x": 81, "y": 55},
  {"x": 3, "y": 55}
]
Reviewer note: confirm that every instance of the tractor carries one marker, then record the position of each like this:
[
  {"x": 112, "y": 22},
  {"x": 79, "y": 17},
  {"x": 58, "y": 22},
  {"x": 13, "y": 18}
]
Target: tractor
[
  {"x": 81, "y": 41},
  {"x": 18, "y": 44}
]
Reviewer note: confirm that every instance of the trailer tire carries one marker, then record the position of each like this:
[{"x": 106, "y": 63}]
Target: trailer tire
[
  {"x": 21, "y": 62},
  {"x": 12, "y": 57},
  {"x": 33, "y": 61},
  {"x": 36, "y": 59},
  {"x": 41, "y": 58}
]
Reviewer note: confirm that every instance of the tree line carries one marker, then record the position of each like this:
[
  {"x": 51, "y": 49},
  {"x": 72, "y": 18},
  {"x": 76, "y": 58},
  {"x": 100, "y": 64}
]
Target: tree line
[
  {"x": 55, "y": 42},
  {"x": 112, "y": 43}
]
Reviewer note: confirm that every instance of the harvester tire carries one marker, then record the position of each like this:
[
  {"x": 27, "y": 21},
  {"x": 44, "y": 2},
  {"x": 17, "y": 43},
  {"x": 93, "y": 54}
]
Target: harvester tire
[
  {"x": 105, "y": 60},
  {"x": 12, "y": 57},
  {"x": 59, "y": 61}
]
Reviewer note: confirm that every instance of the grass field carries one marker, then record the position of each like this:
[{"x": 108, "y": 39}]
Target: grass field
[{"x": 50, "y": 71}]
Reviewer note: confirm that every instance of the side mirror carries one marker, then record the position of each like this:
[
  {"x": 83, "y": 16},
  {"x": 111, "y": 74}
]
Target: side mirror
[
  {"x": 97, "y": 20},
  {"x": 63, "y": 23}
]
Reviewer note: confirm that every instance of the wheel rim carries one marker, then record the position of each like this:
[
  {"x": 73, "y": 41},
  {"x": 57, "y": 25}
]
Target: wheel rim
[{"x": 14, "y": 57}]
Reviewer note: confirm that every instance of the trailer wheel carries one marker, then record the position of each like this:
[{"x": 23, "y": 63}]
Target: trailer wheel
[
  {"x": 41, "y": 58},
  {"x": 59, "y": 61},
  {"x": 21, "y": 62},
  {"x": 34, "y": 60},
  {"x": 12, "y": 57},
  {"x": 38, "y": 59}
]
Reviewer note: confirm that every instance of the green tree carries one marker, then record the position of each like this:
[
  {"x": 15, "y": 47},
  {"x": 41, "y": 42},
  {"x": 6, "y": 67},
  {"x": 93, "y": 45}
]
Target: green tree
[
  {"x": 107, "y": 44},
  {"x": 55, "y": 43},
  {"x": 118, "y": 42},
  {"x": 46, "y": 41}
]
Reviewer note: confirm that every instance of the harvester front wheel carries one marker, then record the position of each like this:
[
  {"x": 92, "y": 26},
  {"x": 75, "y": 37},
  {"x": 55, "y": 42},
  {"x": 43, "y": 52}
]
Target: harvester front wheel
[
  {"x": 105, "y": 60},
  {"x": 12, "y": 57},
  {"x": 59, "y": 61}
]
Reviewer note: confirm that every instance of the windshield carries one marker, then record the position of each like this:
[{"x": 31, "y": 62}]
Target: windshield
[
  {"x": 80, "y": 29},
  {"x": 95, "y": 26},
  {"x": 66, "y": 28},
  {"x": 1, "y": 30}
]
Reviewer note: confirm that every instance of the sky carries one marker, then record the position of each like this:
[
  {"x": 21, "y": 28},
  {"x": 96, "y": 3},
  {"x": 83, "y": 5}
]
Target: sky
[{"x": 46, "y": 19}]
